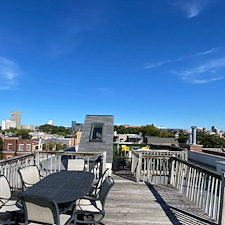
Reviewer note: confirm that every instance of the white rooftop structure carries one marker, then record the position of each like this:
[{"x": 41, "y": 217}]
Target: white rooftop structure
[{"x": 51, "y": 122}]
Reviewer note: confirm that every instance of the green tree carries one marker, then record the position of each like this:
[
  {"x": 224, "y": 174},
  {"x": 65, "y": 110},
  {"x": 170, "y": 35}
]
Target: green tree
[
  {"x": 166, "y": 133},
  {"x": 150, "y": 130},
  {"x": 50, "y": 129},
  {"x": 120, "y": 129},
  {"x": 210, "y": 141},
  {"x": 182, "y": 137},
  {"x": 23, "y": 133}
]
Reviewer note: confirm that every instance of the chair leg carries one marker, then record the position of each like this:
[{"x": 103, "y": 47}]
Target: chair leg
[{"x": 75, "y": 220}]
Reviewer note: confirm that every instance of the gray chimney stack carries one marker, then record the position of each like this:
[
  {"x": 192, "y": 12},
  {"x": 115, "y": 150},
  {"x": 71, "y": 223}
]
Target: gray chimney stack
[{"x": 193, "y": 135}]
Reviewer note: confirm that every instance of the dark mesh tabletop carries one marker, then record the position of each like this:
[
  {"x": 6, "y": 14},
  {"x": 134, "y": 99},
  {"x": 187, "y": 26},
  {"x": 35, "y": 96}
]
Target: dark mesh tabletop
[{"x": 62, "y": 187}]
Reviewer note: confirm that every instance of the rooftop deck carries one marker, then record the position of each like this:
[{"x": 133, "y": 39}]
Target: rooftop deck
[
  {"x": 142, "y": 195},
  {"x": 142, "y": 203}
]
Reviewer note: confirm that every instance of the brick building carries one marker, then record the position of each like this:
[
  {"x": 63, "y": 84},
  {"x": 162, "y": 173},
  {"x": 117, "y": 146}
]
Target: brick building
[{"x": 14, "y": 146}]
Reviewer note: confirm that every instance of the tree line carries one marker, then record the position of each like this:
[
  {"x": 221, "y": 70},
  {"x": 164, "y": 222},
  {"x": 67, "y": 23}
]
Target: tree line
[
  {"x": 148, "y": 130},
  {"x": 46, "y": 128},
  {"x": 205, "y": 139}
]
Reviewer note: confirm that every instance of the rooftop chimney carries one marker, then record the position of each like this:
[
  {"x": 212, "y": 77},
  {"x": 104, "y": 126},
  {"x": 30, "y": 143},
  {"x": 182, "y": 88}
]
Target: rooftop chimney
[{"x": 193, "y": 135}]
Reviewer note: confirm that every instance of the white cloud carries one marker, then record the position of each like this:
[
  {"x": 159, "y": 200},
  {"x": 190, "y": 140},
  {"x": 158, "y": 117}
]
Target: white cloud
[
  {"x": 204, "y": 73},
  {"x": 8, "y": 73},
  {"x": 210, "y": 51},
  {"x": 150, "y": 66},
  {"x": 195, "y": 81},
  {"x": 158, "y": 64},
  {"x": 210, "y": 66},
  {"x": 192, "y": 8}
]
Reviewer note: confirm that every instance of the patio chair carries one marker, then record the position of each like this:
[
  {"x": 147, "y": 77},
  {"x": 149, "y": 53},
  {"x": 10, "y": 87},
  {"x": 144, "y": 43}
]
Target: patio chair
[
  {"x": 43, "y": 211},
  {"x": 93, "y": 209},
  {"x": 8, "y": 204},
  {"x": 95, "y": 167},
  {"x": 95, "y": 188},
  {"x": 76, "y": 165},
  {"x": 29, "y": 176}
]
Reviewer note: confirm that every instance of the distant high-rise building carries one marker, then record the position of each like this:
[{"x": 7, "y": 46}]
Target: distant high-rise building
[
  {"x": 76, "y": 126},
  {"x": 16, "y": 116},
  {"x": 6, "y": 124}
]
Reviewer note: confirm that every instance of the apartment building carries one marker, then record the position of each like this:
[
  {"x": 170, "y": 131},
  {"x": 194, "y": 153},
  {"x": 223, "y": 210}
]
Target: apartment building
[{"x": 14, "y": 146}]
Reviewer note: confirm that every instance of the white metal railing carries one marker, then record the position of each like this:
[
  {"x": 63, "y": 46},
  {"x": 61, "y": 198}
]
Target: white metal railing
[
  {"x": 9, "y": 168},
  {"x": 202, "y": 186},
  {"x": 49, "y": 162},
  {"x": 153, "y": 165}
]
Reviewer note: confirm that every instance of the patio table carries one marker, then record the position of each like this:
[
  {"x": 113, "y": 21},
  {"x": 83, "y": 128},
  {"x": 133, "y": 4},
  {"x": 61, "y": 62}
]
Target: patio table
[{"x": 61, "y": 187}]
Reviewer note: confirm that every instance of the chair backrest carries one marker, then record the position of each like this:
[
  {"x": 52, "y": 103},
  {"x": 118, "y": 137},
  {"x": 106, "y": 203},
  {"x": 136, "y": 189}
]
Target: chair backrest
[
  {"x": 40, "y": 210},
  {"x": 101, "y": 179},
  {"x": 5, "y": 191},
  {"x": 96, "y": 167},
  {"x": 105, "y": 188},
  {"x": 76, "y": 164},
  {"x": 29, "y": 175}
]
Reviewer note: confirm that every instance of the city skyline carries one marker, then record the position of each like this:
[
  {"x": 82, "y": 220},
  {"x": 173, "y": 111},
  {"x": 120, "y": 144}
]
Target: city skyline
[
  {"x": 160, "y": 62},
  {"x": 52, "y": 122}
]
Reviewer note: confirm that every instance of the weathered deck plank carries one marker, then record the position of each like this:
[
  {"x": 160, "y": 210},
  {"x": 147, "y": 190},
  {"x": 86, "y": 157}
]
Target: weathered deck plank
[{"x": 132, "y": 203}]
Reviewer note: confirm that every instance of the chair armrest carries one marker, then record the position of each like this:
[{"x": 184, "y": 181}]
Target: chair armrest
[
  {"x": 27, "y": 183},
  {"x": 90, "y": 198}
]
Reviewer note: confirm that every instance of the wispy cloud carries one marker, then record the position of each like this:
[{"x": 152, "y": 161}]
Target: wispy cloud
[
  {"x": 204, "y": 73},
  {"x": 192, "y": 8},
  {"x": 212, "y": 50},
  {"x": 65, "y": 42},
  {"x": 210, "y": 66},
  {"x": 158, "y": 64},
  {"x": 8, "y": 73},
  {"x": 154, "y": 65},
  {"x": 204, "y": 81}
]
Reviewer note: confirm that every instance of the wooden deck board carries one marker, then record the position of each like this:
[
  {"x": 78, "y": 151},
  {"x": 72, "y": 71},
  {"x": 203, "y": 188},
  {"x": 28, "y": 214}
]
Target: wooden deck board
[
  {"x": 132, "y": 203},
  {"x": 138, "y": 203}
]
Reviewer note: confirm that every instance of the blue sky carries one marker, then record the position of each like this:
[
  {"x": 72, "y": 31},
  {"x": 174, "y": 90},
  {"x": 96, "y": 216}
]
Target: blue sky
[{"x": 144, "y": 62}]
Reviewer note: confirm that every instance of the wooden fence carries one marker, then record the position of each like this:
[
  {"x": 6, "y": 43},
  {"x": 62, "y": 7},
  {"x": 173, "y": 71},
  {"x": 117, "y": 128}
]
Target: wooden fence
[
  {"x": 153, "y": 165},
  {"x": 202, "y": 186}
]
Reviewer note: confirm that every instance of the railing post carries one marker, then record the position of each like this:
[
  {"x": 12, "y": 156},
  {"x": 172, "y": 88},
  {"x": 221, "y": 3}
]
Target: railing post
[
  {"x": 104, "y": 161},
  {"x": 139, "y": 166},
  {"x": 132, "y": 162},
  {"x": 37, "y": 159},
  {"x": 171, "y": 180},
  {"x": 186, "y": 154},
  {"x": 222, "y": 202}
]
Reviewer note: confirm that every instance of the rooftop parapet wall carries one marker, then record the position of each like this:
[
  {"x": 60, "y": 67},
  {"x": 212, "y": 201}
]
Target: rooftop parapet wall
[
  {"x": 196, "y": 148},
  {"x": 204, "y": 158}
]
